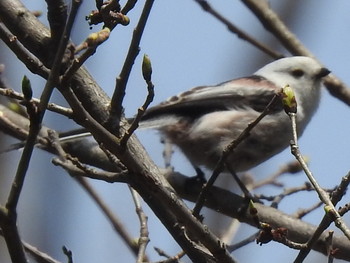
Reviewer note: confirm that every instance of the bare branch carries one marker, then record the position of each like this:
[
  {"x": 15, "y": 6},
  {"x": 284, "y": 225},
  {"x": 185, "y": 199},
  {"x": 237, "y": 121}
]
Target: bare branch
[
  {"x": 234, "y": 29},
  {"x": 331, "y": 213},
  {"x": 38, "y": 255},
  {"x": 323, "y": 195},
  {"x": 147, "y": 71},
  {"x": 31, "y": 62},
  {"x": 116, "y": 107},
  {"x": 57, "y": 17},
  {"x": 242, "y": 243},
  {"x": 144, "y": 234},
  {"x": 130, "y": 4},
  {"x": 50, "y": 106}
]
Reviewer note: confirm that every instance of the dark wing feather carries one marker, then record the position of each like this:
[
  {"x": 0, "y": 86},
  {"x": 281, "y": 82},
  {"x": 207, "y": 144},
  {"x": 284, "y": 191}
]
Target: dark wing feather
[{"x": 253, "y": 92}]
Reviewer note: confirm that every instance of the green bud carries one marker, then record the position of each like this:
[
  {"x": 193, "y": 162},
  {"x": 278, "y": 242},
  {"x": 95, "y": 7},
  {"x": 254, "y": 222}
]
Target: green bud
[
  {"x": 99, "y": 37},
  {"x": 27, "y": 88},
  {"x": 146, "y": 68},
  {"x": 288, "y": 100},
  {"x": 125, "y": 20},
  {"x": 252, "y": 209}
]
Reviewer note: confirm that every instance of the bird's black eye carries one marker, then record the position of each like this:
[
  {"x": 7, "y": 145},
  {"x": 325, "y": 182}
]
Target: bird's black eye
[{"x": 298, "y": 73}]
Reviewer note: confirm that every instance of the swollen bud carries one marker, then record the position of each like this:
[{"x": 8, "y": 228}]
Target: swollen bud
[
  {"x": 97, "y": 38},
  {"x": 146, "y": 68},
  {"x": 124, "y": 20},
  {"x": 27, "y": 88},
  {"x": 288, "y": 100}
]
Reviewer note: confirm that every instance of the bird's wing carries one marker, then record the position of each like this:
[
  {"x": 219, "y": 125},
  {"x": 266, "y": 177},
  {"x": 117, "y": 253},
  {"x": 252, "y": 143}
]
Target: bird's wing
[{"x": 252, "y": 92}]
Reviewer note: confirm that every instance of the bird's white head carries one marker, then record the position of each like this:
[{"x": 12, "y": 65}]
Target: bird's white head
[{"x": 303, "y": 74}]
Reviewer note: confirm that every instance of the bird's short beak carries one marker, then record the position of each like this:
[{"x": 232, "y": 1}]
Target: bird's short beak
[{"x": 323, "y": 72}]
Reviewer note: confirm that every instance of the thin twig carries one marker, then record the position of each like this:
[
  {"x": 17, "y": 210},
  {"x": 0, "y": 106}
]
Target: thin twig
[
  {"x": 289, "y": 191},
  {"x": 343, "y": 210},
  {"x": 77, "y": 169},
  {"x": 31, "y": 62},
  {"x": 38, "y": 255},
  {"x": 329, "y": 243},
  {"x": 242, "y": 243},
  {"x": 130, "y": 4},
  {"x": 8, "y": 126},
  {"x": 291, "y": 167},
  {"x": 234, "y": 29},
  {"x": 325, "y": 222},
  {"x": 112, "y": 158},
  {"x": 144, "y": 234},
  {"x": 303, "y": 212},
  {"x": 105, "y": 176},
  {"x": 323, "y": 195},
  {"x": 140, "y": 112},
  {"x": 331, "y": 213},
  {"x": 340, "y": 191},
  {"x": 228, "y": 150},
  {"x": 169, "y": 259},
  {"x": 116, "y": 107},
  {"x": 50, "y": 106}
]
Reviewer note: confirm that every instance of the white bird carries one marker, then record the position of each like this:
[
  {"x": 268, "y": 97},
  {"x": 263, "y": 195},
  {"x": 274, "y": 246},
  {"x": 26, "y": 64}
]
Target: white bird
[{"x": 204, "y": 120}]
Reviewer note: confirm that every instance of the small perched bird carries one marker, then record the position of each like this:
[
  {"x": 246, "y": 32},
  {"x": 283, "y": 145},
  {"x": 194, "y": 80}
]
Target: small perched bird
[{"x": 204, "y": 120}]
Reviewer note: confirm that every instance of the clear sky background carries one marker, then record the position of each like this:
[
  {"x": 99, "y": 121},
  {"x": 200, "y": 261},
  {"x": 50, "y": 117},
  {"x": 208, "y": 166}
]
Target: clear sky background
[{"x": 188, "y": 48}]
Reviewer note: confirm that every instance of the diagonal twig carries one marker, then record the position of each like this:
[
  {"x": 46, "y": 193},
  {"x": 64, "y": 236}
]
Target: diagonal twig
[
  {"x": 236, "y": 30},
  {"x": 228, "y": 150},
  {"x": 274, "y": 24},
  {"x": 116, "y": 107},
  {"x": 144, "y": 234}
]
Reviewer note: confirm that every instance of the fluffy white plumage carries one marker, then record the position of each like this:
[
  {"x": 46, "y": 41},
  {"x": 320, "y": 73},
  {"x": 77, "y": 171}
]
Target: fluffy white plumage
[{"x": 204, "y": 120}]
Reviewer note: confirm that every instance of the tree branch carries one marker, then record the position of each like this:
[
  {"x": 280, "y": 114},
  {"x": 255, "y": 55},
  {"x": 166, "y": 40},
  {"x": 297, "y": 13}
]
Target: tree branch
[
  {"x": 116, "y": 107},
  {"x": 274, "y": 24},
  {"x": 236, "y": 30}
]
